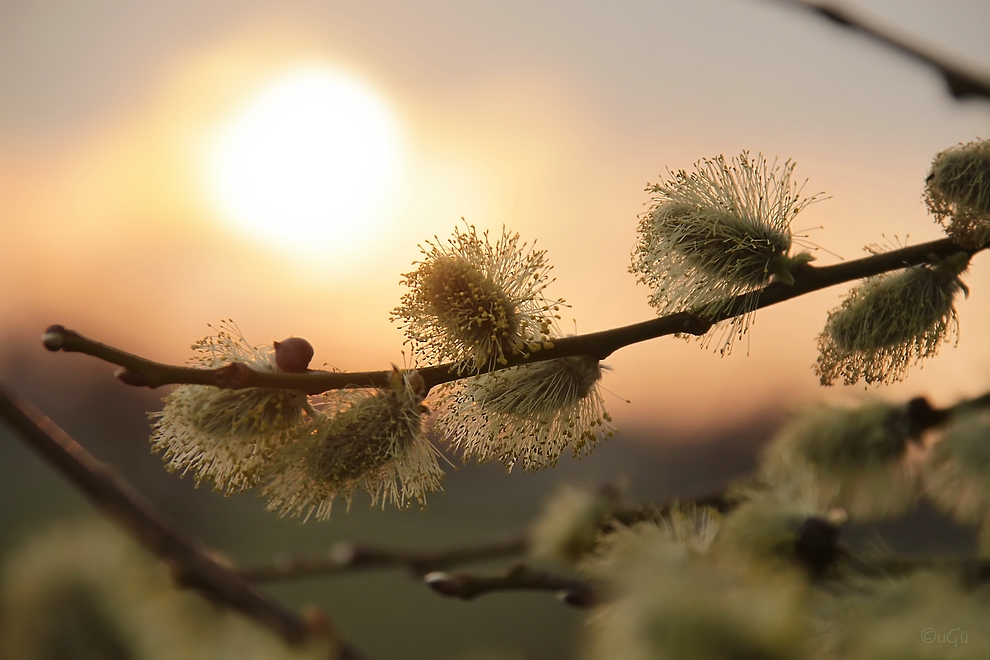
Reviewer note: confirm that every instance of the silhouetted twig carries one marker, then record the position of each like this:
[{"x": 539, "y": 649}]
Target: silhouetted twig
[
  {"x": 961, "y": 82},
  {"x": 146, "y": 373}
]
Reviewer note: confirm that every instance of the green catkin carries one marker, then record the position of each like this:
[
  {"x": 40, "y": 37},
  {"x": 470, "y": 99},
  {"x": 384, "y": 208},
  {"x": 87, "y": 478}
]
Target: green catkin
[
  {"x": 528, "y": 414},
  {"x": 719, "y": 232},
  {"x": 227, "y": 436},
  {"x": 369, "y": 440},
  {"x": 854, "y": 457},
  {"x": 957, "y": 474},
  {"x": 957, "y": 192},
  {"x": 891, "y": 322}
]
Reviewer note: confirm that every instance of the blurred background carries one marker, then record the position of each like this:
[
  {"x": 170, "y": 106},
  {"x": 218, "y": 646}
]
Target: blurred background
[{"x": 167, "y": 165}]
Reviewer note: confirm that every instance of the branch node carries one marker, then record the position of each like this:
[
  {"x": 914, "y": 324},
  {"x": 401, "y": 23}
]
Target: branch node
[
  {"x": 129, "y": 377},
  {"x": 444, "y": 584},
  {"x": 233, "y": 376},
  {"x": 695, "y": 325}
]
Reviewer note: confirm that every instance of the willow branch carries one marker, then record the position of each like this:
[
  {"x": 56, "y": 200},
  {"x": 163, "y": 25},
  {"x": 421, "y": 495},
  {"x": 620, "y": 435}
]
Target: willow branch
[
  {"x": 345, "y": 557},
  {"x": 961, "y": 81},
  {"x": 192, "y": 564},
  {"x": 142, "y": 372},
  {"x": 519, "y": 577}
]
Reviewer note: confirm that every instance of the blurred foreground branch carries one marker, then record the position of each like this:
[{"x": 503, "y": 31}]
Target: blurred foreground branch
[
  {"x": 961, "y": 82},
  {"x": 519, "y": 577},
  {"x": 192, "y": 564},
  {"x": 347, "y": 557}
]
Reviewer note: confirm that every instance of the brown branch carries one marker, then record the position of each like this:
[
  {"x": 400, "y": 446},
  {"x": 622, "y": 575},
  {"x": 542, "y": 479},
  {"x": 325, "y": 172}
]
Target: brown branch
[
  {"x": 146, "y": 373},
  {"x": 519, "y": 577},
  {"x": 192, "y": 564},
  {"x": 961, "y": 82},
  {"x": 345, "y": 557}
]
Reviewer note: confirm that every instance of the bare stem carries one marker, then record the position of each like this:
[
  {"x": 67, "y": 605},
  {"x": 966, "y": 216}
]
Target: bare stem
[
  {"x": 345, "y": 557},
  {"x": 192, "y": 564},
  {"x": 139, "y": 371},
  {"x": 519, "y": 577},
  {"x": 961, "y": 82}
]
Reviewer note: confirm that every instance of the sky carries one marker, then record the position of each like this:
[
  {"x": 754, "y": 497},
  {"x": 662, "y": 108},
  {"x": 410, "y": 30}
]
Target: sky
[{"x": 547, "y": 118}]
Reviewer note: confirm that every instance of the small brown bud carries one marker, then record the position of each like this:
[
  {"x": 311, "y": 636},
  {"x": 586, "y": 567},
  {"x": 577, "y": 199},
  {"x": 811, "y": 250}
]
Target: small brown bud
[
  {"x": 52, "y": 337},
  {"x": 292, "y": 355}
]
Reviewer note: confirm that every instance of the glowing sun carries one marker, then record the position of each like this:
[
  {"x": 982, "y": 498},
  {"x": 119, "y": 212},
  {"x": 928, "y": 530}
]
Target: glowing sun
[{"x": 307, "y": 163}]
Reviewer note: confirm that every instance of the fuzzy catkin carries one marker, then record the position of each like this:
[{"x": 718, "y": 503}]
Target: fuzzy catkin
[
  {"x": 957, "y": 474},
  {"x": 527, "y": 414},
  {"x": 716, "y": 233},
  {"x": 889, "y": 323},
  {"x": 957, "y": 192},
  {"x": 227, "y": 436},
  {"x": 855, "y": 457},
  {"x": 475, "y": 303},
  {"x": 369, "y": 440}
]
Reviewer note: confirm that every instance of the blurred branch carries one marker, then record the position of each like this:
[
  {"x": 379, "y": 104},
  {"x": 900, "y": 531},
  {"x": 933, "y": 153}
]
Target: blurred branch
[
  {"x": 348, "y": 557},
  {"x": 192, "y": 564},
  {"x": 139, "y": 371},
  {"x": 961, "y": 82},
  {"x": 519, "y": 577}
]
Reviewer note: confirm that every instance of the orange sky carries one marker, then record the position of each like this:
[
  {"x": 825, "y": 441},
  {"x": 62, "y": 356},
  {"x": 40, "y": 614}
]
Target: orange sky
[{"x": 548, "y": 119}]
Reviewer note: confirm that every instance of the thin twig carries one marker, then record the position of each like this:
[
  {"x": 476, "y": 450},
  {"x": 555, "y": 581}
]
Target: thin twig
[
  {"x": 349, "y": 557},
  {"x": 961, "y": 81},
  {"x": 192, "y": 564},
  {"x": 519, "y": 577},
  {"x": 146, "y": 373}
]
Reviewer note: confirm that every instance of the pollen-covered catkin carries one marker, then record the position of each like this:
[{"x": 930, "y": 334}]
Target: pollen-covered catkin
[
  {"x": 957, "y": 192},
  {"x": 226, "y": 436},
  {"x": 891, "y": 322},
  {"x": 721, "y": 231},
  {"x": 527, "y": 414},
  {"x": 475, "y": 303},
  {"x": 371, "y": 440}
]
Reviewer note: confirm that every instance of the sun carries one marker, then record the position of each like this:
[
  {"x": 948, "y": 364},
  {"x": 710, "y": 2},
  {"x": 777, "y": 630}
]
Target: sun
[{"x": 307, "y": 163}]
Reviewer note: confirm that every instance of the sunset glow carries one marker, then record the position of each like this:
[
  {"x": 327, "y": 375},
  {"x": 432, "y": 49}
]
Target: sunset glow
[{"x": 307, "y": 163}]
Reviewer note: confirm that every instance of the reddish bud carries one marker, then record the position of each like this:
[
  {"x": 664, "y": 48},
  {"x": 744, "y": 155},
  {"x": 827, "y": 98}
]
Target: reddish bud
[
  {"x": 53, "y": 339},
  {"x": 292, "y": 355}
]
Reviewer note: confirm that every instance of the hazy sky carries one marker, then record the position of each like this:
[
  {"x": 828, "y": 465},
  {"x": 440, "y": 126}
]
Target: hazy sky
[{"x": 547, "y": 117}]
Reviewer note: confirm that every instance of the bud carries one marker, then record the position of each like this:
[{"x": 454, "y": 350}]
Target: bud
[
  {"x": 227, "y": 436},
  {"x": 890, "y": 322},
  {"x": 371, "y": 440},
  {"x": 719, "y": 232},
  {"x": 293, "y": 355},
  {"x": 527, "y": 414},
  {"x": 475, "y": 304},
  {"x": 957, "y": 192},
  {"x": 856, "y": 455}
]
